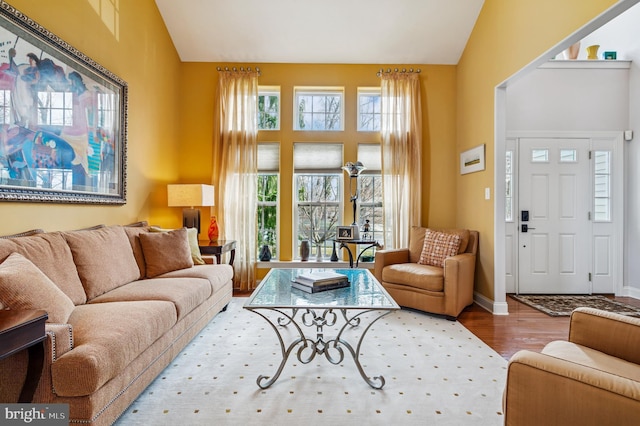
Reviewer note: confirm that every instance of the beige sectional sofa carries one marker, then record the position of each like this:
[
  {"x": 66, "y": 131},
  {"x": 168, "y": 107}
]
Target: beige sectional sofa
[
  {"x": 591, "y": 379},
  {"x": 122, "y": 302}
]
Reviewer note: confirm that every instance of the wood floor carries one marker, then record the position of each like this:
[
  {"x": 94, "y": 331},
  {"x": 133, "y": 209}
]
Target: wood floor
[{"x": 523, "y": 328}]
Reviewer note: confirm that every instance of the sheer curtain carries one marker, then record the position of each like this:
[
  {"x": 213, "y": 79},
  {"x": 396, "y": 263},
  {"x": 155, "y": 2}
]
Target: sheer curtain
[
  {"x": 236, "y": 165},
  {"x": 401, "y": 155}
]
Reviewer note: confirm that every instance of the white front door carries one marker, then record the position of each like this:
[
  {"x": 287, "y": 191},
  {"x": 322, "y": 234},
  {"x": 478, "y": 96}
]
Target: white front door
[{"x": 554, "y": 202}]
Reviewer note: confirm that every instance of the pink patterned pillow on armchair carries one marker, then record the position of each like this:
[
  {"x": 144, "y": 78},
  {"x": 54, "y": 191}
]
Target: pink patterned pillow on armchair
[{"x": 437, "y": 247}]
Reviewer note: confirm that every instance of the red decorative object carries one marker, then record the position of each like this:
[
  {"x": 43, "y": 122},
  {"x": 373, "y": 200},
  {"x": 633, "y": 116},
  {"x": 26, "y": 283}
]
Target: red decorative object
[{"x": 214, "y": 231}]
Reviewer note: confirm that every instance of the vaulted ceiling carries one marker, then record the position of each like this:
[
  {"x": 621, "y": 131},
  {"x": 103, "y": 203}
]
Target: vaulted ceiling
[{"x": 321, "y": 31}]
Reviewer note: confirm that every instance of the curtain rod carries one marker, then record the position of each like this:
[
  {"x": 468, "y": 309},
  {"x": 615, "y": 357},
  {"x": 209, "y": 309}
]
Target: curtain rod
[
  {"x": 388, "y": 71},
  {"x": 241, "y": 69}
]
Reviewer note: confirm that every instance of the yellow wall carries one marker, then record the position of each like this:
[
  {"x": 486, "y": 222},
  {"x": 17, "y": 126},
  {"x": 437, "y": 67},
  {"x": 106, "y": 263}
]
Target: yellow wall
[
  {"x": 507, "y": 36},
  {"x": 136, "y": 47},
  {"x": 438, "y": 95}
]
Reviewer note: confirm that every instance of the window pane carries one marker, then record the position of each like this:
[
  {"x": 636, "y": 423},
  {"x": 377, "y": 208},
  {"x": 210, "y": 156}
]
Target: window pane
[
  {"x": 317, "y": 210},
  {"x": 267, "y": 213},
  {"x": 568, "y": 156},
  {"x": 540, "y": 155},
  {"x": 268, "y": 109},
  {"x": 317, "y": 109},
  {"x": 602, "y": 186},
  {"x": 369, "y": 110}
]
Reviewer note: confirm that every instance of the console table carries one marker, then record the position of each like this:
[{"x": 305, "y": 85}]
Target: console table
[
  {"x": 20, "y": 330},
  {"x": 217, "y": 248},
  {"x": 367, "y": 243}
]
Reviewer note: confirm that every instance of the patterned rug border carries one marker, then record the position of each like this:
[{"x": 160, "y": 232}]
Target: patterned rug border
[{"x": 563, "y": 305}]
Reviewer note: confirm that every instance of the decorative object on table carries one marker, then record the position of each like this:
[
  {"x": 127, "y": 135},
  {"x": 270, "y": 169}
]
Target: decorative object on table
[
  {"x": 305, "y": 250},
  {"x": 366, "y": 231},
  {"x": 319, "y": 256},
  {"x": 354, "y": 170},
  {"x": 316, "y": 281},
  {"x": 344, "y": 233},
  {"x": 472, "y": 160},
  {"x": 214, "y": 229},
  {"x": 610, "y": 56},
  {"x": 85, "y": 155},
  {"x": 572, "y": 51},
  {"x": 334, "y": 253},
  {"x": 190, "y": 195},
  {"x": 265, "y": 253},
  {"x": 592, "y": 51}
]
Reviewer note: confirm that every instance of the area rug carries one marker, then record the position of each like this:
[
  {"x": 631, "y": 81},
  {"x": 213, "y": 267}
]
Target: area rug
[
  {"x": 563, "y": 305},
  {"x": 436, "y": 371}
]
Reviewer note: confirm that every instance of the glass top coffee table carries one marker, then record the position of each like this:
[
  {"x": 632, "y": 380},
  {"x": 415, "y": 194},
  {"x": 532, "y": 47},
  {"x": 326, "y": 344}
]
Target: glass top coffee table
[{"x": 343, "y": 312}]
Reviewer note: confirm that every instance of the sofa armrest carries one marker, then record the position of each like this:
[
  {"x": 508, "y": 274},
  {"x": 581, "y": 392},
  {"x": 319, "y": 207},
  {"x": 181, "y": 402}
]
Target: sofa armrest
[
  {"x": 59, "y": 339},
  {"x": 542, "y": 389},
  {"x": 388, "y": 257},
  {"x": 459, "y": 277},
  {"x": 613, "y": 334}
]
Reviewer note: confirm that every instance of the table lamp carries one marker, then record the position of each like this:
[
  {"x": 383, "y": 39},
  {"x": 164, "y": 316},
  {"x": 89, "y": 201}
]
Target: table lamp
[{"x": 190, "y": 195}]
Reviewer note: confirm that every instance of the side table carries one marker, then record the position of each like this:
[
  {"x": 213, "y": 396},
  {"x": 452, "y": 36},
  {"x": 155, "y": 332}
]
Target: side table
[
  {"x": 217, "y": 248},
  {"x": 367, "y": 243},
  {"x": 20, "y": 330}
]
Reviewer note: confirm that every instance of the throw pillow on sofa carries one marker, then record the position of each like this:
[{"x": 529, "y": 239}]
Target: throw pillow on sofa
[
  {"x": 192, "y": 234},
  {"x": 24, "y": 286},
  {"x": 437, "y": 247},
  {"x": 166, "y": 251}
]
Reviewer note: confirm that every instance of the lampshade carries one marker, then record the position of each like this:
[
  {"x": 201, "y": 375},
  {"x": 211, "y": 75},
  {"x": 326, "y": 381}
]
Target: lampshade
[
  {"x": 190, "y": 195},
  {"x": 354, "y": 169}
]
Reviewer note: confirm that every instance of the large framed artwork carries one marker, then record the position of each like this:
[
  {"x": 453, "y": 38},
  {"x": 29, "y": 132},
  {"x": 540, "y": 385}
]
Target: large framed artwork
[{"x": 63, "y": 117}]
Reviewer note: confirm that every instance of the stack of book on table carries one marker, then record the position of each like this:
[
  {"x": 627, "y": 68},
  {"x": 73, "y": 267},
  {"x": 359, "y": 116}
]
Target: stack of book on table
[{"x": 315, "y": 281}]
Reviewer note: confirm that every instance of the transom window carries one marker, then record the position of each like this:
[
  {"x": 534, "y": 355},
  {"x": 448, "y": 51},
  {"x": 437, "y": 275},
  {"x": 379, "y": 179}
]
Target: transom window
[
  {"x": 369, "y": 111},
  {"x": 268, "y": 108},
  {"x": 318, "y": 109}
]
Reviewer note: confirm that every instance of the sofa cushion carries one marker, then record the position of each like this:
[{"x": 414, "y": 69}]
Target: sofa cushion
[
  {"x": 217, "y": 275},
  {"x": 185, "y": 293},
  {"x": 51, "y": 254},
  {"x": 133, "y": 233},
  {"x": 104, "y": 259},
  {"x": 107, "y": 337},
  {"x": 415, "y": 275},
  {"x": 437, "y": 247},
  {"x": 24, "y": 286},
  {"x": 166, "y": 251}
]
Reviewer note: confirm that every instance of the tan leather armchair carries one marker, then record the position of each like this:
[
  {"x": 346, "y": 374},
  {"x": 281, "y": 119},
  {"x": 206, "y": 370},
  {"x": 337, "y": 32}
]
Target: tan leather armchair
[
  {"x": 591, "y": 379},
  {"x": 446, "y": 291}
]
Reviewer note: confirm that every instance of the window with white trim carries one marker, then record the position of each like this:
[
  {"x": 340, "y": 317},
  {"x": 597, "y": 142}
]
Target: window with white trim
[
  {"x": 370, "y": 207},
  {"x": 318, "y": 194},
  {"x": 268, "y": 108},
  {"x": 508, "y": 195},
  {"x": 602, "y": 186},
  {"x": 369, "y": 109},
  {"x": 318, "y": 109},
  {"x": 268, "y": 192}
]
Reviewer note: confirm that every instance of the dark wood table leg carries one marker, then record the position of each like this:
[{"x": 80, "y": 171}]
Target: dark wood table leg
[{"x": 34, "y": 372}]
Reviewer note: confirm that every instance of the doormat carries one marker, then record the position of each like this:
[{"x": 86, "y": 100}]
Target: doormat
[{"x": 562, "y": 306}]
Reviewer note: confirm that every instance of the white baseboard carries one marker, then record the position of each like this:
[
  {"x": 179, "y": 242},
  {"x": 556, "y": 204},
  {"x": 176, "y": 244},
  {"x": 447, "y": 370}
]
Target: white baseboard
[
  {"x": 496, "y": 308},
  {"x": 631, "y": 292}
]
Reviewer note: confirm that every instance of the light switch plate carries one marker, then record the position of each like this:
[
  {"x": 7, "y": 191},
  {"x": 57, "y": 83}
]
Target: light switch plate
[
  {"x": 628, "y": 135},
  {"x": 487, "y": 193}
]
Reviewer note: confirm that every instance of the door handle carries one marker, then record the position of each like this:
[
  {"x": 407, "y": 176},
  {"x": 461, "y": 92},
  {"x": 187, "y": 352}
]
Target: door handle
[{"x": 525, "y": 228}]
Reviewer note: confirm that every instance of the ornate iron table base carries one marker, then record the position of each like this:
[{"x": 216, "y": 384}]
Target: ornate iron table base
[{"x": 307, "y": 348}]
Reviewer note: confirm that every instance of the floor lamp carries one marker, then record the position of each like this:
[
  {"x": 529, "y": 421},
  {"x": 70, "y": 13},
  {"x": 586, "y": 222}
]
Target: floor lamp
[
  {"x": 354, "y": 170},
  {"x": 190, "y": 195}
]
